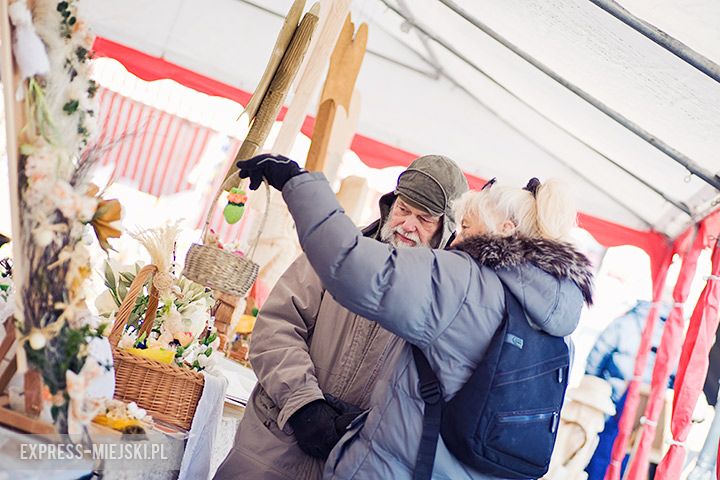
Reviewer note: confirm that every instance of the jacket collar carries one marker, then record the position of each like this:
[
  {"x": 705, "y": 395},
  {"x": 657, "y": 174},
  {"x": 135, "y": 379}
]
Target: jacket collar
[{"x": 559, "y": 259}]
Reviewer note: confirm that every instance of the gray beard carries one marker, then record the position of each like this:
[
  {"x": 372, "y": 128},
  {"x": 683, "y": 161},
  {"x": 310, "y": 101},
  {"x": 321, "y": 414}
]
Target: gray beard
[{"x": 387, "y": 235}]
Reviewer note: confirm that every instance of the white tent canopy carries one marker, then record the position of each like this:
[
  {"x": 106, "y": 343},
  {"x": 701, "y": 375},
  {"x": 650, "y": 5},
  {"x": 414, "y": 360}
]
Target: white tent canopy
[{"x": 433, "y": 81}]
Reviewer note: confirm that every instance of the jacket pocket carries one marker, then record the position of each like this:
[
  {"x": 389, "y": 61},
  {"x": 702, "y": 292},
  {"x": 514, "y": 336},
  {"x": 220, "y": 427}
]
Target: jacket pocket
[
  {"x": 265, "y": 406},
  {"x": 351, "y": 433},
  {"x": 525, "y": 435},
  {"x": 531, "y": 371}
]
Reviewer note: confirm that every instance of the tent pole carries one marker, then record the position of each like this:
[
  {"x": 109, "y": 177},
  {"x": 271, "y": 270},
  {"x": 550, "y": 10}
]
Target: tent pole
[
  {"x": 562, "y": 162},
  {"x": 431, "y": 59},
  {"x": 677, "y": 204},
  {"x": 672, "y": 45},
  {"x": 705, "y": 465},
  {"x": 510, "y": 125},
  {"x": 671, "y": 152}
]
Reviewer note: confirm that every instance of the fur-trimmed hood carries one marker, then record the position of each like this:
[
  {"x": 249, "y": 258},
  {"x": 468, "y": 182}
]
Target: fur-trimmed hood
[{"x": 556, "y": 258}]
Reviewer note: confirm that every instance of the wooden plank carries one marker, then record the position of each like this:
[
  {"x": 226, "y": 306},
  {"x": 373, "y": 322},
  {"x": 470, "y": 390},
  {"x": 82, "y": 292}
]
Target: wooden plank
[
  {"x": 352, "y": 196},
  {"x": 321, "y": 136},
  {"x": 33, "y": 392},
  {"x": 8, "y": 340},
  {"x": 14, "y": 121},
  {"x": 332, "y": 18},
  {"x": 8, "y": 374},
  {"x": 343, "y": 132},
  {"x": 275, "y": 96},
  {"x": 345, "y": 63},
  {"x": 281, "y": 44},
  {"x": 338, "y": 90},
  {"x": 23, "y": 423}
]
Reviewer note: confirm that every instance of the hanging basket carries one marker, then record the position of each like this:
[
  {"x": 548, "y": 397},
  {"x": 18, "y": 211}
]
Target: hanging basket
[
  {"x": 169, "y": 393},
  {"x": 218, "y": 269}
]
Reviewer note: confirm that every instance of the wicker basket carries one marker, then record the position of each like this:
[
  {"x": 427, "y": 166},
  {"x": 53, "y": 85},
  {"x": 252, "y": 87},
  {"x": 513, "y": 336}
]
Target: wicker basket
[
  {"x": 219, "y": 269},
  {"x": 169, "y": 393}
]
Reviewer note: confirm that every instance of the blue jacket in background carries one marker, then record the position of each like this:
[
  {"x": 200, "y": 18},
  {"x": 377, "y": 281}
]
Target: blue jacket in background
[{"x": 613, "y": 355}]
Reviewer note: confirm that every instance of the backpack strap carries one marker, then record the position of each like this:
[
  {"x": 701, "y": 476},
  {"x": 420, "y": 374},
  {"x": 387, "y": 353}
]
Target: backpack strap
[{"x": 431, "y": 393}]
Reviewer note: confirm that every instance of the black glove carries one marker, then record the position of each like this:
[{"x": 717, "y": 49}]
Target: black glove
[
  {"x": 276, "y": 169},
  {"x": 314, "y": 426},
  {"x": 347, "y": 413},
  {"x": 319, "y": 425}
]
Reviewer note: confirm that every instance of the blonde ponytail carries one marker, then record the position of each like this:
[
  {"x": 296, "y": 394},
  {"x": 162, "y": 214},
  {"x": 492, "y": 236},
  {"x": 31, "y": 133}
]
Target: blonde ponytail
[
  {"x": 556, "y": 212},
  {"x": 549, "y": 213}
]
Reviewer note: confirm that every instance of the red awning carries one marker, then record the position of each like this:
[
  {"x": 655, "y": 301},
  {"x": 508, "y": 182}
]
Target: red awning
[{"x": 151, "y": 149}]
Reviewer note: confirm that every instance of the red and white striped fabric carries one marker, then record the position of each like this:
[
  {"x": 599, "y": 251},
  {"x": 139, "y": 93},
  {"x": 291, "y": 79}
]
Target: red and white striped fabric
[{"x": 151, "y": 149}]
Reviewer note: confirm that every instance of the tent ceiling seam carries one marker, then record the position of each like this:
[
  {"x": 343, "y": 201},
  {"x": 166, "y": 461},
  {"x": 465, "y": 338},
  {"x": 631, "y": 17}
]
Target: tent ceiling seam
[
  {"x": 671, "y": 152},
  {"x": 677, "y": 204},
  {"x": 170, "y": 30},
  {"x": 701, "y": 213},
  {"x": 432, "y": 58},
  {"x": 509, "y": 124},
  {"x": 562, "y": 162}
]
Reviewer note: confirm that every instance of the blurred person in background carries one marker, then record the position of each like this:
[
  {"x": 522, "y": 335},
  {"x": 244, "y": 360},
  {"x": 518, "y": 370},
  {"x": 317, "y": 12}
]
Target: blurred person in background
[{"x": 613, "y": 358}]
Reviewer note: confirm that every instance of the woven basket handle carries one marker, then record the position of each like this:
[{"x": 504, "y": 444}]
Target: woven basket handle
[
  {"x": 206, "y": 227},
  {"x": 128, "y": 304}
]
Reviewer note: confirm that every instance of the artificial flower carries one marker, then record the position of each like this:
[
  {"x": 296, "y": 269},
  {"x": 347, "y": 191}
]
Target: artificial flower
[
  {"x": 105, "y": 221},
  {"x": 203, "y": 360},
  {"x": 136, "y": 412},
  {"x": 43, "y": 236},
  {"x": 105, "y": 303},
  {"x": 37, "y": 339},
  {"x": 127, "y": 340}
]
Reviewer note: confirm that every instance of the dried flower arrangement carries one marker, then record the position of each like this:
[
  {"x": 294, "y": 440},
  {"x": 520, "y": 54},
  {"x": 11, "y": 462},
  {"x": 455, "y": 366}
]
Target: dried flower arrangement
[{"x": 57, "y": 203}]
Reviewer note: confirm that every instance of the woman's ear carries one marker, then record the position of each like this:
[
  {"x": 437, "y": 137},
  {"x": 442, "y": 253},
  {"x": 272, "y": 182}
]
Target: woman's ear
[{"x": 507, "y": 228}]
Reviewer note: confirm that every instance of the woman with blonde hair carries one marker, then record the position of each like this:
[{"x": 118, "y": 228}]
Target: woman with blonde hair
[
  {"x": 448, "y": 303},
  {"x": 537, "y": 211}
]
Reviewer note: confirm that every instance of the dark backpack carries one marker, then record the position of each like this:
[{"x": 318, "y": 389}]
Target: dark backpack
[{"x": 504, "y": 420}]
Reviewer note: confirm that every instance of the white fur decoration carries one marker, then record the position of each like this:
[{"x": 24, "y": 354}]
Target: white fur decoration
[{"x": 29, "y": 50}]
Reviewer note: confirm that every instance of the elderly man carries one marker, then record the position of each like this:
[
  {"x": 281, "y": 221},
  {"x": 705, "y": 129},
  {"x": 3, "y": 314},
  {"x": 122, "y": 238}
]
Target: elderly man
[{"x": 317, "y": 362}]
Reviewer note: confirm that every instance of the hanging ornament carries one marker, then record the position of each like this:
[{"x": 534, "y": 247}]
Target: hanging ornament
[{"x": 236, "y": 205}]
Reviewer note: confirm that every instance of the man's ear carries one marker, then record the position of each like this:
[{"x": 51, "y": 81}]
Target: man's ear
[{"x": 437, "y": 236}]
